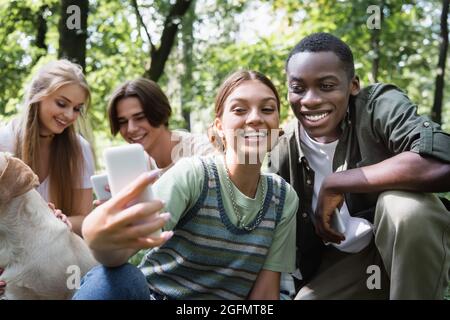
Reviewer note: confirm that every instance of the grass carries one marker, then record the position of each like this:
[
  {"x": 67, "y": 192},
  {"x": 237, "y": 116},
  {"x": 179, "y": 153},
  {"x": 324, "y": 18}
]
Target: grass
[
  {"x": 137, "y": 258},
  {"x": 444, "y": 195}
]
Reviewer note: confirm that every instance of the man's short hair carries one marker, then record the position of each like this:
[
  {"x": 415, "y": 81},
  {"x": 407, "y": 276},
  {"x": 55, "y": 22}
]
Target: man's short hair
[{"x": 322, "y": 42}]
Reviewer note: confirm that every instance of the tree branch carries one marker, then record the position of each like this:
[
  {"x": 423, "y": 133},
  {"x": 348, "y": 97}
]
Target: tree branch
[
  {"x": 41, "y": 28},
  {"x": 141, "y": 21},
  {"x": 436, "y": 110},
  {"x": 173, "y": 20}
]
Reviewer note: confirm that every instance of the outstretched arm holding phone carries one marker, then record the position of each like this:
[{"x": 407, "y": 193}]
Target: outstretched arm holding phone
[{"x": 112, "y": 231}]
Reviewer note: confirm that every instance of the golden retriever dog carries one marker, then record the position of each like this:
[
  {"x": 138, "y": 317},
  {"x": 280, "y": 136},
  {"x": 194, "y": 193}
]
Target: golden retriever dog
[{"x": 42, "y": 258}]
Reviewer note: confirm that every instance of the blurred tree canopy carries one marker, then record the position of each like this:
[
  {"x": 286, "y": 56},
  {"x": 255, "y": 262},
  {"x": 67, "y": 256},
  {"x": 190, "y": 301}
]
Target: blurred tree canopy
[{"x": 196, "y": 43}]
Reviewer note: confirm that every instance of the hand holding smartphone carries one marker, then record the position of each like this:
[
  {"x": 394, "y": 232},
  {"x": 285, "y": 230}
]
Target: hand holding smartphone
[
  {"x": 100, "y": 184},
  {"x": 123, "y": 165}
]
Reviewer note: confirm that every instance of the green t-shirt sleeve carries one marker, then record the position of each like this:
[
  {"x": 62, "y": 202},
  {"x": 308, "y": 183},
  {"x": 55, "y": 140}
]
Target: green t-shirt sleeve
[
  {"x": 281, "y": 256},
  {"x": 180, "y": 187}
]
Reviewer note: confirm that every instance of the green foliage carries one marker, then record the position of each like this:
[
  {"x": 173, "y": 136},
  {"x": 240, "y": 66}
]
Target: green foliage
[
  {"x": 114, "y": 54},
  {"x": 137, "y": 258},
  {"x": 17, "y": 53},
  {"x": 408, "y": 41},
  {"x": 210, "y": 46},
  {"x": 267, "y": 56}
]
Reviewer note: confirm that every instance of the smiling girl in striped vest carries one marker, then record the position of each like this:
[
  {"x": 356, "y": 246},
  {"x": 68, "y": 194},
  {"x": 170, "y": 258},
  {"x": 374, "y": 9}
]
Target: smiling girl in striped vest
[{"x": 233, "y": 226}]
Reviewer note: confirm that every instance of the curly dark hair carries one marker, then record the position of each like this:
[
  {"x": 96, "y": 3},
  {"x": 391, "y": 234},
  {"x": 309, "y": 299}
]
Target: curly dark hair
[{"x": 322, "y": 41}]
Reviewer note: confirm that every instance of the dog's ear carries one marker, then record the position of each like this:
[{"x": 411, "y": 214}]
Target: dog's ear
[{"x": 16, "y": 178}]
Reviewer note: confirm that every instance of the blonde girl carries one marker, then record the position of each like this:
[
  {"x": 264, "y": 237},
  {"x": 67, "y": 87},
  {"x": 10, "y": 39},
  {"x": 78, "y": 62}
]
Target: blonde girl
[{"x": 44, "y": 136}]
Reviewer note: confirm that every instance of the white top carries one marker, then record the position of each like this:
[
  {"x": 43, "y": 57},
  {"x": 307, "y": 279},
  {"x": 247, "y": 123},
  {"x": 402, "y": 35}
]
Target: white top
[
  {"x": 358, "y": 232},
  {"x": 7, "y": 144}
]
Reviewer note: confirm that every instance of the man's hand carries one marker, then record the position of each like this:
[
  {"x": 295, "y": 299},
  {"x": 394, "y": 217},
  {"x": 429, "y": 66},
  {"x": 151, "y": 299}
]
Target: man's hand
[
  {"x": 326, "y": 203},
  {"x": 405, "y": 171}
]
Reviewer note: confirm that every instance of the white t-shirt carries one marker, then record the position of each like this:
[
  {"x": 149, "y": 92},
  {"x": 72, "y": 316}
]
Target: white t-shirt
[
  {"x": 358, "y": 232},
  {"x": 7, "y": 144}
]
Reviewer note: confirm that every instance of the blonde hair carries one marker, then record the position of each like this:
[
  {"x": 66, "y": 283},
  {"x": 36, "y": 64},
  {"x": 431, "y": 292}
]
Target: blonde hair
[{"x": 66, "y": 162}]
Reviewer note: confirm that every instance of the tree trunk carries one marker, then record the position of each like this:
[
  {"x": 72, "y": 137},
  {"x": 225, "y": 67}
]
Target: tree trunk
[
  {"x": 159, "y": 56},
  {"x": 436, "y": 111},
  {"x": 41, "y": 34},
  {"x": 375, "y": 45},
  {"x": 186, "y": 82},
  {"x": 41, "y": 28},
  {"x": 73, "y": 31}
]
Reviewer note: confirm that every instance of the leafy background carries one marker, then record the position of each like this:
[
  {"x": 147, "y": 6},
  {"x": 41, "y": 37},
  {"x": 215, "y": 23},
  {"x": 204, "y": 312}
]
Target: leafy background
[{"x": 215, "y": 37}]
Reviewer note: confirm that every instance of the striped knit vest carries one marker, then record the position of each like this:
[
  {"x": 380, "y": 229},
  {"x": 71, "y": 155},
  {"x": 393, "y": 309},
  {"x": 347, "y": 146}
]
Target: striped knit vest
[{"x": 208, "y": 257}]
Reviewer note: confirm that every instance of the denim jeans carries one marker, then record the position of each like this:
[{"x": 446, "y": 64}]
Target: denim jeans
[{"x": 125, "y": 282}]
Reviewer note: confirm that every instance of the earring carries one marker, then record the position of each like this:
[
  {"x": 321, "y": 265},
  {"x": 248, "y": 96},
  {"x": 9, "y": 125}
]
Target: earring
[{"x": 224, "y": 143}]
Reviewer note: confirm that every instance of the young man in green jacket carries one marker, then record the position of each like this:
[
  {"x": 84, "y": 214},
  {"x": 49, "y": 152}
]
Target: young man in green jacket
[{"x": 367, "y": 153}]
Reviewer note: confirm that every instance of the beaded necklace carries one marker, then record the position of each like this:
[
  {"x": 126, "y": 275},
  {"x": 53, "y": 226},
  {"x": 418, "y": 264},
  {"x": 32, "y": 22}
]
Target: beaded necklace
[{"x": 236, "y": 210}]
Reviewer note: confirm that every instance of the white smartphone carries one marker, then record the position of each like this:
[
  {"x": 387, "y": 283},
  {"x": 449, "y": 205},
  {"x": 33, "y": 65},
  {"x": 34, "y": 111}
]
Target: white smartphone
[
  {"x": 99, "y": 183},
  {"x": 337, "y": 222},
  {"x": 123, "y": 165}
]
